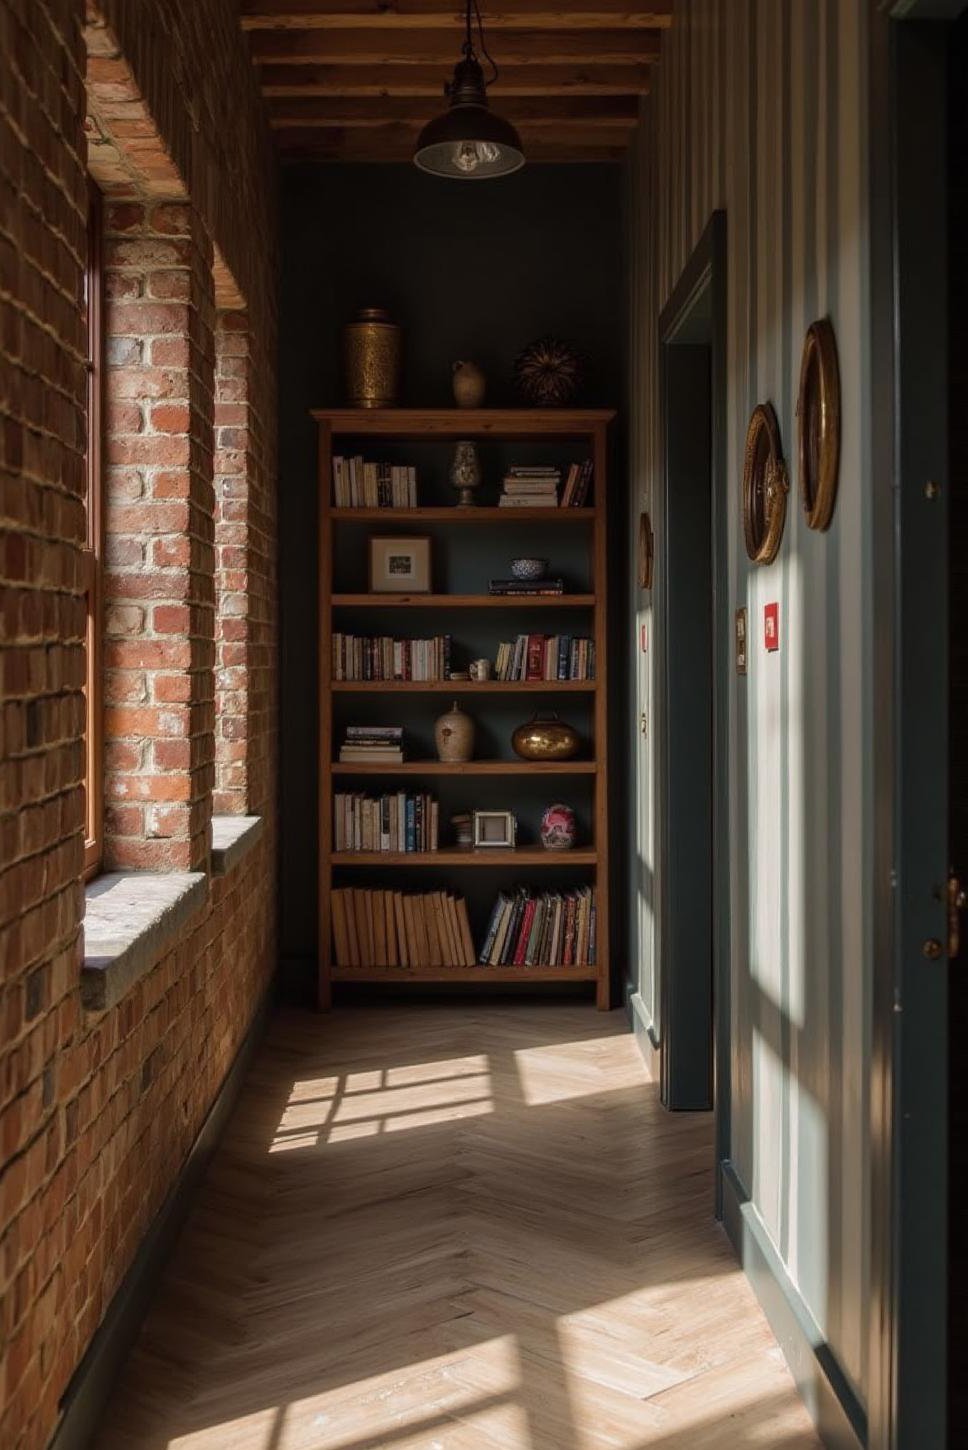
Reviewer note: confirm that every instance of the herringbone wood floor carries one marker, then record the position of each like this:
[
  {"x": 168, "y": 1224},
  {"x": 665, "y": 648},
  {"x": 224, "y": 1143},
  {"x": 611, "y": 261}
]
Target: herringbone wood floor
[{"x": 456, "y": 1228}]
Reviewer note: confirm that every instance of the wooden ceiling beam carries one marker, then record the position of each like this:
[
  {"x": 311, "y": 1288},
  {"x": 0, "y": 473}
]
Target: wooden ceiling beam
[
  {"x": 444, "y": 14},
  {"x": 437, "y": 47},
  {"x": 593, "y": 111},
  {"x": 288, "y": 82}
]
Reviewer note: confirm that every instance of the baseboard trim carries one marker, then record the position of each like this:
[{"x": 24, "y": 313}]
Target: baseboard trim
[
  {"x": 644, "y": 1029},
  {"x": 87, "y": 1394},
  {"x": 840, "y": 1418}
]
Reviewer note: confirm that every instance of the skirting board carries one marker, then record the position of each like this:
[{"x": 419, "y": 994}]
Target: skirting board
[
  {"x": 839, "y": 1416},
  {"x": 645, "y": 1034},
  {"x": 91, "y": 1384}
]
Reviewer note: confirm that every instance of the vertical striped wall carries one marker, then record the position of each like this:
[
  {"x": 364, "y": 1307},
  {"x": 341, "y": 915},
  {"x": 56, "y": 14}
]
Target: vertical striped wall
[{"x": 758, "y": 108}]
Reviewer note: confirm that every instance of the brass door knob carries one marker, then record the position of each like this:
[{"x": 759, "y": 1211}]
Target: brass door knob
[{"x": 932, "y": 949}]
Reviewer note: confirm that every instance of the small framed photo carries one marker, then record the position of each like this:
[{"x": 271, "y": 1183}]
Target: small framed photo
[
  {"x": 495, "y": 828},
  {"x": 399, "y": 566},
  {"x": 742, "y": 642}
]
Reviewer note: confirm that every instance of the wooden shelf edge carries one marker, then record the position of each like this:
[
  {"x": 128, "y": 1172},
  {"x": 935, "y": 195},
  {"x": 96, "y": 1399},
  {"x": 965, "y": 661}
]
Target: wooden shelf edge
[
  {"x": 463, "y": 601},
  {"x": 464, "y": 974},
  {"x": 448, "y": 687},
  {"x": 454, "y": 515},
  {"x": 470, "y": 767},
  {"x": 498, "y": 857},
  {"x": 461, "y": 422}
]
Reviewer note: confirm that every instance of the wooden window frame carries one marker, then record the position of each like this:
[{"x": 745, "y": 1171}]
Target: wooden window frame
[{"x": 93, "y": 551}]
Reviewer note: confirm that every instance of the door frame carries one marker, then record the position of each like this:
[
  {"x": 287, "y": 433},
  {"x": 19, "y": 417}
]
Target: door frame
[
  {"x": 909, "y": 447},
  {"x": 704, "y": 276}
]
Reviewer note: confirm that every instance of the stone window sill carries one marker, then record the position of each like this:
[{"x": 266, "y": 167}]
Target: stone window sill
[
  {"x": 131, "y": 919},
  {"x": 232, "y": 838}
]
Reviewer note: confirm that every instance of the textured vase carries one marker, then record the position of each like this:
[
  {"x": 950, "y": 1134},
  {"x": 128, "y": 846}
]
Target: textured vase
[
  {"x": 469, "y": 383},
  {"x": 371, "y": 359},
  {"x": 558, "y": 827},
  {"x": 545, "y": 737},
  {"x": 454, "y": 735},
  {"x": 465, "y": 472}
]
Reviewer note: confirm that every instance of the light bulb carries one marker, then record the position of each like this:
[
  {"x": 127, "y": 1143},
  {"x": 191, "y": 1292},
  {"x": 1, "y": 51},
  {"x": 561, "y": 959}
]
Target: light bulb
[{"x": 465, "y": 156}]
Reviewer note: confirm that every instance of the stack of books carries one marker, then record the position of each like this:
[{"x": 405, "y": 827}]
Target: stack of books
[
  {"x": 373, "y": 744},
  {"x": 546, "y": 657},
  {"x": 357, "y": 484},
  {"x": 397, "y": 929},
  {"x": 526, "y": 586},
  {"x": 553, "y": 929},
  {"x": 531, "y": 488},
  {"x": 381, "y": 657},
  {"x": 577, "y": 485},
  {"x": 398, "y": 822}
]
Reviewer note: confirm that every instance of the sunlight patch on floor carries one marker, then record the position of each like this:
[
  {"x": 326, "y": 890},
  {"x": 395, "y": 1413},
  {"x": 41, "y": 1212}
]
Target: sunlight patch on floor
[{"x": 391, "y": 1100}]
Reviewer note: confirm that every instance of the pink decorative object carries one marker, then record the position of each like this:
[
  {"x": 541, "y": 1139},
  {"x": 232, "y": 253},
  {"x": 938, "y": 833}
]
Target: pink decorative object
[{"x": 558, "y": 828}]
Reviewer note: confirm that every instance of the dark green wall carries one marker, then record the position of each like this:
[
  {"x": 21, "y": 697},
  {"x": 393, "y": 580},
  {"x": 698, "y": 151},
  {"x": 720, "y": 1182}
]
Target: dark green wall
[{"x": 470, "y": 271}]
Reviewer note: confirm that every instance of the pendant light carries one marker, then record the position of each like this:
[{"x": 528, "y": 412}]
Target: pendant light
[{"x": 468, "y": 142}]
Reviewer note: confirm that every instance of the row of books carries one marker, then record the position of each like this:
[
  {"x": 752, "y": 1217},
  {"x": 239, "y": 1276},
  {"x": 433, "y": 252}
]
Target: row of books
[
  {"x": 401, "y": 929},
  {"x": 577, "y": 485},
  {"x": 539, "y": 487},
  {"x": 546, "y": 657},
  {"x": 526, "y": 586},
  {"x": 381, "y": 657},
  {"x": 552, "y": 929},
  {"x": 358, "y": 484},
  {"x": 372, "y": 744},
  {"x": 397, "y": 822}
]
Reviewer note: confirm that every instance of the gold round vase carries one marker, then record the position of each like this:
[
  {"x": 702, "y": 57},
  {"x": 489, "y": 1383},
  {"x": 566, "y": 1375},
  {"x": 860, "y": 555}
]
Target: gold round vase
[
  {"x": 545, "y": 737},
  {"x": 371, "y": 359}
]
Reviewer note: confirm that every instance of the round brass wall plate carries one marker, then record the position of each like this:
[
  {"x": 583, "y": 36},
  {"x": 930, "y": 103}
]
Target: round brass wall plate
[
  {"x": 818, "y": 424},
  {"x": 646, "y": 551},
  {"x": 765, "y": 486}
]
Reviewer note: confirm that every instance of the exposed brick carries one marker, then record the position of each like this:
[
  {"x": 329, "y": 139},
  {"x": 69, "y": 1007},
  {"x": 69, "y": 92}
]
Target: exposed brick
[{"x": 97, "y": 1113}]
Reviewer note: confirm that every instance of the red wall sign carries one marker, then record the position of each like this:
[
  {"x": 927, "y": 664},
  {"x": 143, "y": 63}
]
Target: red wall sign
[{"x": 771, "y": 626}]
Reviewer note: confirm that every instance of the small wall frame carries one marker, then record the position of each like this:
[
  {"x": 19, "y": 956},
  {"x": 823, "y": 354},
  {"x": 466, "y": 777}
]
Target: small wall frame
[
  {"x": 765, "y": 486},
  {"x": 818, "y": 424},
  {"x": 495, "y": 830}
]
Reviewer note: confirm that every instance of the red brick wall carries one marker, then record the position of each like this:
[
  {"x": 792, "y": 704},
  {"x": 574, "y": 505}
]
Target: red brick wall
[
  {"x": 98, "y": 1112},
  {"x": 159, "y": 574},
  {"x": 234, "y": 465}
]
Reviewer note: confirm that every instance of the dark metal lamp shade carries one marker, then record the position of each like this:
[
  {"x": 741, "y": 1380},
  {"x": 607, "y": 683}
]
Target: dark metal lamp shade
[{"x": 468, "y": 142}]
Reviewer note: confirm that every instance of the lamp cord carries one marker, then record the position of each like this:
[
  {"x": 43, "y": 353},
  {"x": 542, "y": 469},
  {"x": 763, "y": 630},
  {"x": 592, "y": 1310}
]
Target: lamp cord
[{"x": 469, "y": 40}]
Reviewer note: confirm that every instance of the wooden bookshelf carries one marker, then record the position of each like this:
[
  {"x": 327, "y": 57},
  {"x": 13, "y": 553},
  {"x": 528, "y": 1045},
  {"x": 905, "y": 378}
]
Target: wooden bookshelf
[{"x": 347, "y": 610}]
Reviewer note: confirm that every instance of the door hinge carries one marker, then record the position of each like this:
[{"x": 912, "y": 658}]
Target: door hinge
[{"x": 956, "y": 904}]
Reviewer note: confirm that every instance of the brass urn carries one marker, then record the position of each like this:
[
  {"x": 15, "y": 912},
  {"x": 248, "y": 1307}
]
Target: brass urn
[
  {"x": 372, "y": 347},
  {"x": 545, "y": 737}
]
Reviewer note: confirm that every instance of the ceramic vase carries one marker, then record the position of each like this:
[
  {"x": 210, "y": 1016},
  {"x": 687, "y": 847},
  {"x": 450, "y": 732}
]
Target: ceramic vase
[
  {"x": 469, "y": 384},
  {"x": 465, "y": 472},
  {"x": 454, "y": 735},
  {"x": 558, "y": 827}
]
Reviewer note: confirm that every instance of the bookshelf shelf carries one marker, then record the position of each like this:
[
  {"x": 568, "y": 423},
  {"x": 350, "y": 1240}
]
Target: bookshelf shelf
[
  {"x": 463, "y": 601},
  {"x": 488, "y": 858},
  {"x": 439, "y": 975},
  {"x": 471, "y": 767},
  {"x": 464, "y": 687},
  {"x": 454, "y": 515},
  {"x": 551, "y": 435}
]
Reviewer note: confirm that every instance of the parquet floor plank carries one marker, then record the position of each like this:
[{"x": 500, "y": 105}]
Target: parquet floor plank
[{"x": 462, "y": 1227}]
